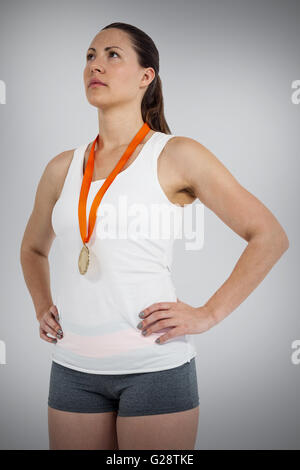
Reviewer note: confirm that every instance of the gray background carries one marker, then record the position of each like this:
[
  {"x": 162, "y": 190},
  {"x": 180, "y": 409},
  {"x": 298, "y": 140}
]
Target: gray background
[{"x": 227, "y": 68}]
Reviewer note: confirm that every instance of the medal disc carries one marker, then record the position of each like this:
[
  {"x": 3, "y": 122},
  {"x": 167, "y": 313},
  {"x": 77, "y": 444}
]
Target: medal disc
[{"x": 83, "y": 260}]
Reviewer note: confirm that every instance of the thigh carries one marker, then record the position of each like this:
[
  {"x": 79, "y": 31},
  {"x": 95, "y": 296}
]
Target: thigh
[
  {"x": 82, "y": 431},
  {"x": 170, "y": 431},
  {"x": 80, "y": 415},
  {"x": 159, "y": 410}
]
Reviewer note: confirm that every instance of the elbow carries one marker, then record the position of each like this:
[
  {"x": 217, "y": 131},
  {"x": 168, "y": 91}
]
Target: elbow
[
  {"x": 285, "y": 241},
  {"x": 280, "y": 239},
  {"x": 275, "y": 237}
]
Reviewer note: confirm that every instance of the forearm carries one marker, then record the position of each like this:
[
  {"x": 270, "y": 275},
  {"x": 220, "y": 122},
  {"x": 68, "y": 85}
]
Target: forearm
[
  {"x": 259, "y": 256},
  {"x": 37, "y": 277}
]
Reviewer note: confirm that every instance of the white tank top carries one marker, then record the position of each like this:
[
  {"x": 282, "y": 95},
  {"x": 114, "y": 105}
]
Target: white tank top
[{"x": 99, "y": 311}]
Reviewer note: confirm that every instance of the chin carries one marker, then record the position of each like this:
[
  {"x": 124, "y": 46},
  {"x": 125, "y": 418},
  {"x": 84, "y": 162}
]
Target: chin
[{"x": 95, "y": 102}]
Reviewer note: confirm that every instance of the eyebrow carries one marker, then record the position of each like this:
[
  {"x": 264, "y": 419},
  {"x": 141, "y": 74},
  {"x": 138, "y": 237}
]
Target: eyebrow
[{"x": 106, "y": 48}]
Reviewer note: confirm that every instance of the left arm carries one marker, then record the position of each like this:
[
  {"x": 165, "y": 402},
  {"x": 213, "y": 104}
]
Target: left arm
[
  {"x": 240, "y": 210},
  {"x": 212, "y": 183}
]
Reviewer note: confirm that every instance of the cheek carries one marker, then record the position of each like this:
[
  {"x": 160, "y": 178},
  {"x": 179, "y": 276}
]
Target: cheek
[
  {"x": 127, "y": 84},
  {"x": 124, "y": 75},
  {"x": 85, "y": 74}
]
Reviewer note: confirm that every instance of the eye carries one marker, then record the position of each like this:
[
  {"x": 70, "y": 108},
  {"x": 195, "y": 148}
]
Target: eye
[
  {"x": 110, "y": 52},
  {"x": 113, "y": 52}
]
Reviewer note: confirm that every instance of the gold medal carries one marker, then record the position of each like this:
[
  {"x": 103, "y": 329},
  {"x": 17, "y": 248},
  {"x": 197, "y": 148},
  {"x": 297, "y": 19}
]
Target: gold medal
[{"x": 83, "y": 260}]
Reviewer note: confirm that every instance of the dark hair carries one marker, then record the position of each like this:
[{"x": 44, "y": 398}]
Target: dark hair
[{"x": 152, "y": 105}]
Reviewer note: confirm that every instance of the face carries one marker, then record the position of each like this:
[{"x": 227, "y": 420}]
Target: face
[{"x": 125, "y": 80}]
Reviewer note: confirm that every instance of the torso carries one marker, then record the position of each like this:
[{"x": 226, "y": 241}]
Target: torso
[{"x": 171, "y": 183}]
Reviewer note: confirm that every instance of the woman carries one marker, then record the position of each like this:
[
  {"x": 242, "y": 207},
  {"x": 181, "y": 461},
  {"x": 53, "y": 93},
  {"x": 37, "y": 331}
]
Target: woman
[{"x": 110, "y": 386}]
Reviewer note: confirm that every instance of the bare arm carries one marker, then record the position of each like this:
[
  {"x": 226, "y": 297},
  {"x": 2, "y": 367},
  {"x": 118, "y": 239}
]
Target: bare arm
[
  {"x": 38, "y": 238},
  {"x": 211, "y": 182}
]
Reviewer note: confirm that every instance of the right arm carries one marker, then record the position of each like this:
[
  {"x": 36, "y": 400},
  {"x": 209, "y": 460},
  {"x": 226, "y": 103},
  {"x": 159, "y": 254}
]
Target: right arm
[{"x": 37, "y": 240}]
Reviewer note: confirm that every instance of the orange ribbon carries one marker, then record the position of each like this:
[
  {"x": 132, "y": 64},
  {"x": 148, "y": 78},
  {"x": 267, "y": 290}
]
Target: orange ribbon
[{"x": 87, "y": 178}]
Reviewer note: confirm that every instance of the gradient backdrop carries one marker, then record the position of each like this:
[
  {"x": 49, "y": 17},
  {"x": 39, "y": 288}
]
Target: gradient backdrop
[{"x": 227, "y": 69}]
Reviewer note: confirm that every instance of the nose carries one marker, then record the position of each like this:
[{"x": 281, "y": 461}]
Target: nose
[{"x": 95, "y": 67}]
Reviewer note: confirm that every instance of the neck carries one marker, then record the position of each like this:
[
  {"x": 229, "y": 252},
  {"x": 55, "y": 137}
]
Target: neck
[{"x": 118, "y": 126}]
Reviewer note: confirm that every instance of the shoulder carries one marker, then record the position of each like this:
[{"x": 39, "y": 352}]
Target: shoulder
[
  {"x": 57, "y": 168},
  {"x": 60, "y": 161},
  {"x": 189, "y": 154},
  {"x": 185, "y": 155},
  {"x": 181, "y": 146}
]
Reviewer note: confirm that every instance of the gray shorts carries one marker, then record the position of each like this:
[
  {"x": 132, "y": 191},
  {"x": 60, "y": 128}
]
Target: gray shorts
[{"x": 138, "y": 394}]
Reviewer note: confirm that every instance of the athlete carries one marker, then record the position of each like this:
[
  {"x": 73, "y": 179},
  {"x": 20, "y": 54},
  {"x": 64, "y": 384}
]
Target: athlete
[{"x": 123, "y": 373}]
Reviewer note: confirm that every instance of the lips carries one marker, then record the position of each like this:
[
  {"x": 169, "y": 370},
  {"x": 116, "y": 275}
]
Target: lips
[{"x": 96, "y": 82}]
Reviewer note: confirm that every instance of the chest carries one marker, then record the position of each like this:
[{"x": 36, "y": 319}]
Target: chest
[{"x": 170, "y": 182}]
